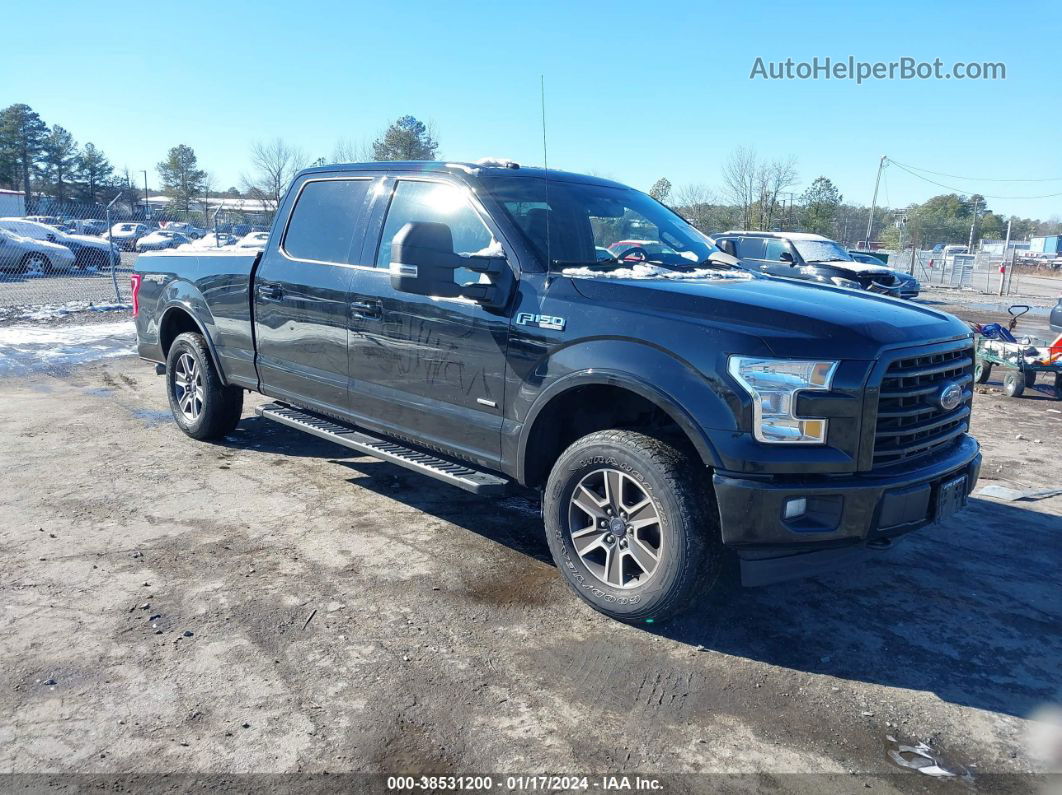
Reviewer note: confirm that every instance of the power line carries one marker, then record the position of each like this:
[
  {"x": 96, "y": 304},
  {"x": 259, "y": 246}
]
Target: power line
[
  {"x": 975, "y": 179},
  {"x": 966, "y": 190}
]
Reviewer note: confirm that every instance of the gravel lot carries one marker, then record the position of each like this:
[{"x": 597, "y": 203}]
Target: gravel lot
[{"x": 272, "y": 605}]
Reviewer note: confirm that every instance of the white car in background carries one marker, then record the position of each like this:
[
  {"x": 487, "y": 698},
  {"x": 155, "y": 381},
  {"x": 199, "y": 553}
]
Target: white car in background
[
  {"x": 189, "y": 231},
  {"x": 253, "y": 240},
  {"x": 161, "y": 239},
  {"x": 32, "y": 257},
  {"x": 126, "y": 233},
  {"x": 88, "y": 251}
]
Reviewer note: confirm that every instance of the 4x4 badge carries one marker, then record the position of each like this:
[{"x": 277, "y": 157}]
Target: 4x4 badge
[{"x": 542, "y": 321}]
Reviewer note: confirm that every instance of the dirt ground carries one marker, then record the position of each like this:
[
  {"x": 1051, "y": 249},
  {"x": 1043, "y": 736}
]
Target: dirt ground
[{"x": 272, "y": 605}]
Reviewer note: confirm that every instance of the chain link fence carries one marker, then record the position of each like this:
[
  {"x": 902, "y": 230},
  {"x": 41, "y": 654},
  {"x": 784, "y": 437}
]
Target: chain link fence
[
  {"x": 65, "y": 257},
  {"x": 979, "y": 271}
]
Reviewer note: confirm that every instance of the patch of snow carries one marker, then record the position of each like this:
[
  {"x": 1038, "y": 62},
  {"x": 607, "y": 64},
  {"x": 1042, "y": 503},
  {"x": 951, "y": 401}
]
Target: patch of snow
[
  {"x": 54, "y": 311},
  {"x": 643, "y": 271},
  {"x": 25, "y": 349}
]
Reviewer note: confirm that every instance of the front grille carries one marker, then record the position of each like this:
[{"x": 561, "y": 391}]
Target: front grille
[{"x": 911, "y": 422}]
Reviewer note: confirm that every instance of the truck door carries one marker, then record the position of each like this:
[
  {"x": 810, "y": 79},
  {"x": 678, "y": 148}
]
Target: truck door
[
  {"x": 430, "y": 368},
  {"x": 301, "y": 293}
]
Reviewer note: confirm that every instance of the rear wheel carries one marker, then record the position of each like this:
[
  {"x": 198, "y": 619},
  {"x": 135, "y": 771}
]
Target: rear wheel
[
  {"x": 1014, "y": 383},
  {"x": 1058, "y": 387},
  {"x": 631, "y": 525},
  {"x": 202, "y": 406},
  {"x": 1030, "y": 378},
  {"x": 36, "y": 264},
  {"x": 982, "y": 371}
]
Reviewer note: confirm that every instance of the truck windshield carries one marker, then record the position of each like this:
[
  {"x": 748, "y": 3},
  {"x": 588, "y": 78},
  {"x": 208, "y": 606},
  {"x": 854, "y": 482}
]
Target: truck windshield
[
  {"x": 822, "y": 251},
  {"x": 575, "y": 224}
]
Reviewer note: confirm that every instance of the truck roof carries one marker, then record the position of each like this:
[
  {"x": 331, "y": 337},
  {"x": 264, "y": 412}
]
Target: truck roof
[{"x": 492, "y": 167}]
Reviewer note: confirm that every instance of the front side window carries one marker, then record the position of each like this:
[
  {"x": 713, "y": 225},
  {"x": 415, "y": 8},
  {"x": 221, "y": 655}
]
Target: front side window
[
  {"x": 323, "y": 223},
  {"x": 436, "y": 202},
  {"x": 570, "y": 223},
  {"x": 775, "y": 247}
]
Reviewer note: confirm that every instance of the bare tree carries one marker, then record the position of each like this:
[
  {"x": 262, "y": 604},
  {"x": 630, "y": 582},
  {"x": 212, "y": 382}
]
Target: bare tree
[
  {"x": 771, "y": 180},
  {"x": 275, "y": 163},
  {"x": 348, "y": 150},
  {"x": 700, "y": 205},
  {"x": 740, "y": 173}
]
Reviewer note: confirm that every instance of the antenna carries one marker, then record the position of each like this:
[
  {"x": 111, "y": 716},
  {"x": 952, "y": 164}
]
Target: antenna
[{"x": 545, "y": 170}]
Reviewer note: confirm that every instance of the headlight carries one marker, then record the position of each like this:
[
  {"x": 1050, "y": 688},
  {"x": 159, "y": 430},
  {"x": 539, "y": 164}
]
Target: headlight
[
  {"x": 840, "y": 281},
  {"x": 774, "y": 385}
]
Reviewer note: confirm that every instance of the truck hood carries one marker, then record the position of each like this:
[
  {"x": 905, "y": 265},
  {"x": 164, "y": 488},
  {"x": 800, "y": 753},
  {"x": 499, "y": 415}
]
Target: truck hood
[{"x": 791, "y": 318}]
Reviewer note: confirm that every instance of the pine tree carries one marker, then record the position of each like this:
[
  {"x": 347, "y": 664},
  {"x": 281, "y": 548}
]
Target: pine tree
[
  {"x": 406, "y": 139},
  {"x": 94, "y": 172},
  {"x": 22, "y": 134},
  {"x": 181, "y": 176},
  {"x": 59, "y": 156}
]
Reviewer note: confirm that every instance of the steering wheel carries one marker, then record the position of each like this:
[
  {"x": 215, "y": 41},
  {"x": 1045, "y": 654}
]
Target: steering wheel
[{"x": 626, "y": 255}]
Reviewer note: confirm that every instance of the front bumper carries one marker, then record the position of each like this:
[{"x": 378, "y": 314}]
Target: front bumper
[{"x": 844, "y": 514}]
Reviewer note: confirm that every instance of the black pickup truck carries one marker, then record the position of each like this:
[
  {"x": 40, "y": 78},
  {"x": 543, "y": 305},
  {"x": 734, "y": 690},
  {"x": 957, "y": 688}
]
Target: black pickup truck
[{"x": 497, "y": 327}]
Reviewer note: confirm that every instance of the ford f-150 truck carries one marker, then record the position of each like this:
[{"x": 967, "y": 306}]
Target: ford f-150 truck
[{"x": 461, "y": 320}]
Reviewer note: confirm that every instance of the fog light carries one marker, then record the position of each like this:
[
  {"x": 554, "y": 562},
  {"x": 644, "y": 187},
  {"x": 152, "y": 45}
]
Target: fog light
[{"x": 795, "y": 507}]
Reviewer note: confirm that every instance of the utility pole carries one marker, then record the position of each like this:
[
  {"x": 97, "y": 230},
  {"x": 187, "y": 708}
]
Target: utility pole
[
  {"x": 973, "y": 222},
  {"x": 144, "y": 172},
  {"x": 874, "y": 201},
  {"x": 1008, "y": 273}
]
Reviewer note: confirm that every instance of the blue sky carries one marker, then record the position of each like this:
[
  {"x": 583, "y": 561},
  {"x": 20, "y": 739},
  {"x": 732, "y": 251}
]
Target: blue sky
[{"x": 634, "y": 91}]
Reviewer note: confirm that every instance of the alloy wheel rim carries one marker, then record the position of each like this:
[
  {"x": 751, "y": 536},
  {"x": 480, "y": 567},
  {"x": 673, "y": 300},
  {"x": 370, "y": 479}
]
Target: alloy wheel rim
[
  {"x": 615, "y": 528},
  {"x": 188, "y": 386}
]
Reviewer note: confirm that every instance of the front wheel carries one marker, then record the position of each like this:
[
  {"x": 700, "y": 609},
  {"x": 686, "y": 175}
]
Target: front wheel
[
  {"x": 202, "y": 406},
  {"x": 631, "y": 524},
  {"x": 36, "y": 264},
  {"x": 982, "y": 371},
  {"x": 1014, "y": 383}
]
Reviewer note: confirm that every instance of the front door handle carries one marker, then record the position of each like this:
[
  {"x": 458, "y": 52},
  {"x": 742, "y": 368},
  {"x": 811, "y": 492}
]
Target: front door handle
[
  {"x": 270, "y": 292},
  {"x": 364, "y": 308}
]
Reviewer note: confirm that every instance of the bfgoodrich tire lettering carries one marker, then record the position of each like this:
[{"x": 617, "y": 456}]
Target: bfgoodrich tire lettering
[
  {"x": 686, "y": 536},
  {"x": 202, "y": 406}
]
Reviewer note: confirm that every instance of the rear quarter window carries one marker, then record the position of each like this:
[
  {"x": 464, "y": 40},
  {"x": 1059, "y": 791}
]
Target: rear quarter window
[{"x": 325, "y": 220}]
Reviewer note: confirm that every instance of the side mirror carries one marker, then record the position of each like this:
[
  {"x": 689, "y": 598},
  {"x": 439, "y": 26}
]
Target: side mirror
[
  {"x": 785, "y": 256},
  {"x": 424, "y": 262}
]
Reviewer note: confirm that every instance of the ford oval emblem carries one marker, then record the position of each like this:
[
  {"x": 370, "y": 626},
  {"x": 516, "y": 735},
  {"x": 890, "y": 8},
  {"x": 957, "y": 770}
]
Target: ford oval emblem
[{"x": 951, "y": 397}]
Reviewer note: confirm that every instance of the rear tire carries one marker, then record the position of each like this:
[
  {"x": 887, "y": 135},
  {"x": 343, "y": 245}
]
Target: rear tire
[
  {"x": 982, "y": 371},
  {"x": 1058, "y": 387},
  {"x": 631, "y": 523},
  {"x": 202, "y": 406},
  {"x": 1014, "y": 383},
  {"x": 1030, "y": 378}
]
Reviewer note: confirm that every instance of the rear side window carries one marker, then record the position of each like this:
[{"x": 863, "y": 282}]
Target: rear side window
[
  {"x": 323, "y": 224},
  {"x": 750, "y": 248}
]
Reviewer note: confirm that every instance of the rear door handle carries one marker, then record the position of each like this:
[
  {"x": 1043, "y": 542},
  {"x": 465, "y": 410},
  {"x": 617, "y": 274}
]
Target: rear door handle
[
  {"x": 365, "y": 308},
  {"x": 270, "y": 292}
]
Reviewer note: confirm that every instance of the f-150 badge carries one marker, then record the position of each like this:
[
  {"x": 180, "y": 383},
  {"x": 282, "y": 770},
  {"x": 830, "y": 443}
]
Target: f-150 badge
[{"x": 542, "y": 321}]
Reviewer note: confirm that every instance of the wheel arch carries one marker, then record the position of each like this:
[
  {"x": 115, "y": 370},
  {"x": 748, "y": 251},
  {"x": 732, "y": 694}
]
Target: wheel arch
[
  {"x": 178, "y": 318},
  {"x": 552, "y": 423}
]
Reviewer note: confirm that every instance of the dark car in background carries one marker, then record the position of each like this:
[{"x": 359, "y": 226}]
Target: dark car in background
[{"x": 802, "y": 255}]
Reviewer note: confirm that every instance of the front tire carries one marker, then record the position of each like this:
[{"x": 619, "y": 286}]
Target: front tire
[
  {"x": 36, "y": 264},
  {"x": 631, "y": 523},
  {"x": 202, "y": 406},
  {"x": 1014, "y": 383},
  {"x": 982, "y": 371}
]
